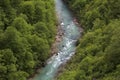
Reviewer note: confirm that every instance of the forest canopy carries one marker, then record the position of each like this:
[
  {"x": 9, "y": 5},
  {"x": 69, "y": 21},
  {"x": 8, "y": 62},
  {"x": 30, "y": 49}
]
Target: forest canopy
[{"x": 27, "y": 30}]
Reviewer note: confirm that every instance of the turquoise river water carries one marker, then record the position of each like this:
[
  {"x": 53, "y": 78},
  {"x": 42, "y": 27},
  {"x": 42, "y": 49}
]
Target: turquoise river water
[{"x": 66, "y": 46}]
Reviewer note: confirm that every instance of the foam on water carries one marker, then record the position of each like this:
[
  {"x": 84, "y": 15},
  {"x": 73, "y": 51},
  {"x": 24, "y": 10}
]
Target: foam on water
[{"x": 66, "y": 47}]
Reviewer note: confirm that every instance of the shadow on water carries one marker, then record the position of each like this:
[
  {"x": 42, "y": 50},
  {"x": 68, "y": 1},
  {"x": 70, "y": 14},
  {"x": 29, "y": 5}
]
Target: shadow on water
[{"x": 67, "y": 45}]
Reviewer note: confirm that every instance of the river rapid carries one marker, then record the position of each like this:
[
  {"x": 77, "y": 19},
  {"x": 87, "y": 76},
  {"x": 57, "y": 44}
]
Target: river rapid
[{"x": 67, "y": 46}]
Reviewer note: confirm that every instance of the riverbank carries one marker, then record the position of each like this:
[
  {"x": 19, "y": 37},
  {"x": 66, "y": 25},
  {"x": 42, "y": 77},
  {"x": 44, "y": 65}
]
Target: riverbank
[{"x": 58, "y": 39}]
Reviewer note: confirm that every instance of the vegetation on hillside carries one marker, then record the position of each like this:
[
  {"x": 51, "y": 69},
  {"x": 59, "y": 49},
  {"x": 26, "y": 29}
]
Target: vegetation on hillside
[
  {"x": 27, "y": 30},
  {"x": 98, "y": 53}
]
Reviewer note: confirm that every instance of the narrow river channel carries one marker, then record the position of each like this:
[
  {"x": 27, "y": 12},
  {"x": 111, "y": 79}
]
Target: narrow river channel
[{"x": 66, "y": 46}]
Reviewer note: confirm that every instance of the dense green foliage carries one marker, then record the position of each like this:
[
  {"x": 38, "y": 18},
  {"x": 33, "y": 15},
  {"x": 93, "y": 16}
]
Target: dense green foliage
[
  {"x": 98, "y": 52},
  {"x": 27, "y": 30}
]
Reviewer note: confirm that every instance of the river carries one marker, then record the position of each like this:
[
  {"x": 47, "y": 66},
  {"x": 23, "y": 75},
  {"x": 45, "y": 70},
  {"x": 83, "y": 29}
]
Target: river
[{"x": 66, "y": 46}]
